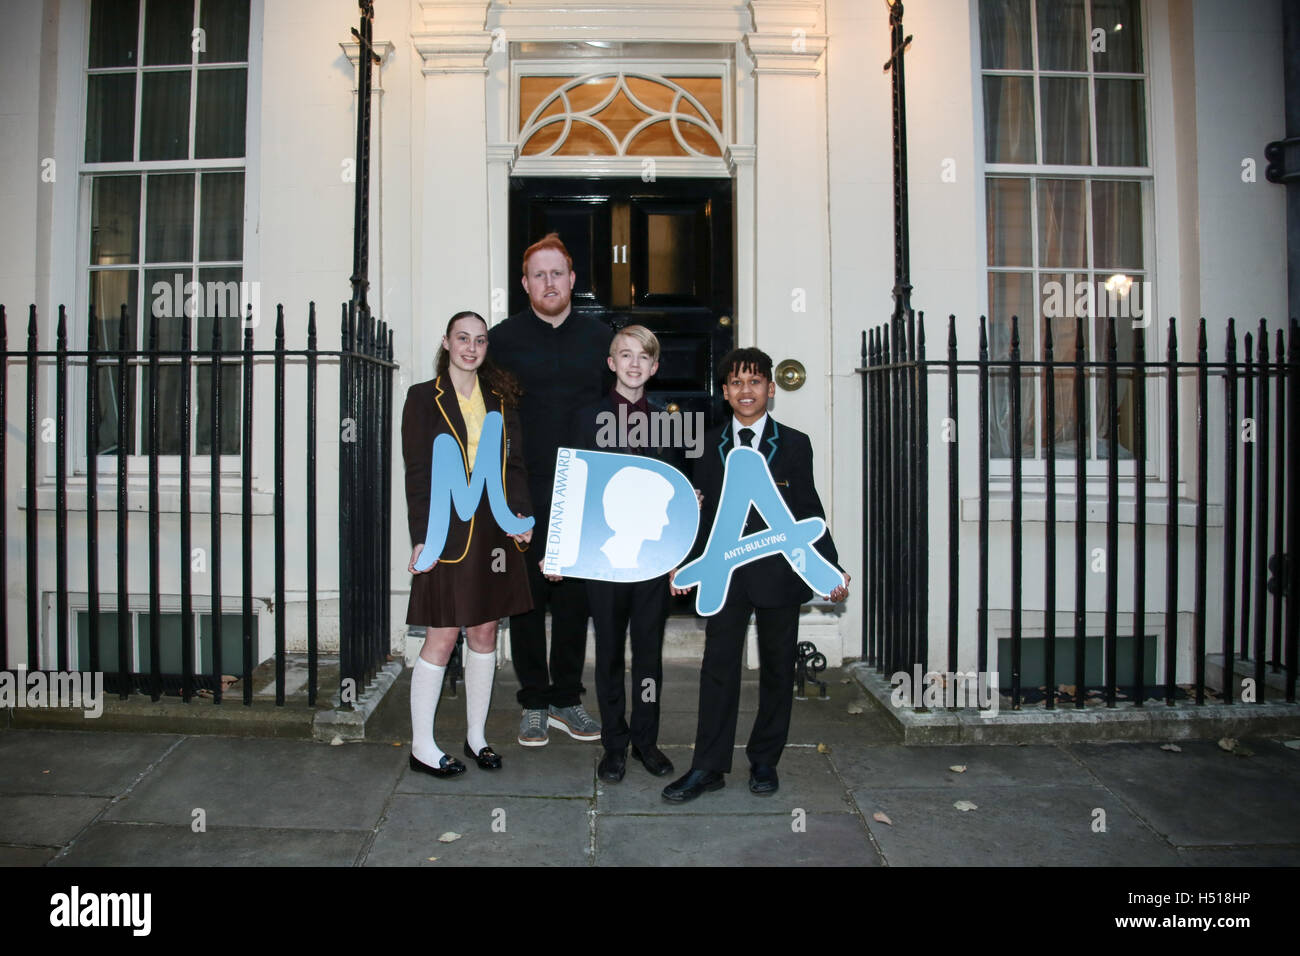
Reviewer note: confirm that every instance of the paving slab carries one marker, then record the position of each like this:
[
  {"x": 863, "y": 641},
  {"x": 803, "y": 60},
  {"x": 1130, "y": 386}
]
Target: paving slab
[
  {"x": 1204, "y": 795},
  {"x": 560, "y": 769},
  {"x": 253, "y": 782},
  {"x": 46, "y": 819},
  {"x": 537, "y": 831},
  {"x": 131, "y": 844},
  {"x": 1035, "y": 826},
  {"x": 828, "y": 839},
  {"x": 26, "y": 855},
  {"x": 884, "y": 767},
  {"x": 71, "y": 762},
  {"x": 808, "y": 782}
]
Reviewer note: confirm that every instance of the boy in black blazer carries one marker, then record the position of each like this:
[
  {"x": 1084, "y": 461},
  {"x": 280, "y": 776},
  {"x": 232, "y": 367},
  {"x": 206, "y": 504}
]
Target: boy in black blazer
[
  {"x": 638, "y": 607},
  {"x": 768, "y": 588}
]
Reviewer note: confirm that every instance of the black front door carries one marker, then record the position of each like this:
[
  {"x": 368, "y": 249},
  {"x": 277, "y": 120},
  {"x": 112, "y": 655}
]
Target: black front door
[{"x": 658, "y": 254}]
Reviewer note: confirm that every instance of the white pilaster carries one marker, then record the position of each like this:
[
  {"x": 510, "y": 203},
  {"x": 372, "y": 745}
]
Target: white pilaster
[{"x": 453, "y": 259}]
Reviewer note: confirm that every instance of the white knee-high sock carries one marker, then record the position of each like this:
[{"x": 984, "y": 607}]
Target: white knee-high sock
[
  {"x": 479, "y": 671},
  {"x": 426, "y": 688}
]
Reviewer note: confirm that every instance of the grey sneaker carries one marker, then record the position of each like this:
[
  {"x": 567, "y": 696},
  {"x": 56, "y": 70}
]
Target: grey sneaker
[
  {"x": 532, "y": 729},
  {"x": 575, "y": 722}
]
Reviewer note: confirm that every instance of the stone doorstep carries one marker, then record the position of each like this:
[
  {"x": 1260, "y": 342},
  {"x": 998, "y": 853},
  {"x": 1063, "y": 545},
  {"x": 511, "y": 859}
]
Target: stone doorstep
[
  {"x": 1274, "y": 681},
  {"x": 1068, "y": 725},
  {"x": 349, "y": 723}
]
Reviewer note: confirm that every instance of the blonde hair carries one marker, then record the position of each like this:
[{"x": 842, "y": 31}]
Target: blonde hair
[{"x": 639, "y": 334}]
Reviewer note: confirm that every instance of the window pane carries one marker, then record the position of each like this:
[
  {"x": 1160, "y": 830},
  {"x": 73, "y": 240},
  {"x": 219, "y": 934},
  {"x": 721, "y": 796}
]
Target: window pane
[
  {"x": 1009, "y": 119},
  {"x": 220, "y": 302},
  {"x": 1121, "y": 123},
  {"x": 167, "y": 26},
  {"x": 108, "y": 291},
  {"x": 107, "y": 640},
  {"x": 169, "y": 643},
  {"x": 1010, "y": 293},
  {"x": 1065, "y": 121},
  {"x": 225, "y": 31},
  {"x": 1122, "y": 21},
  {"x": 1062, "y": 35},
  {"x": 232, "y": 642},
  {"x": 1123, "y": 390},
  {"x": 1062, "y": 224},
  {"x": 221, "y": 217},
  {"x": 164, "y": 316},
  {"x": 169, "y": 219},
  {"x": 219, "y": 125},
  {"x": 115, "y": 220},
  {"x": 165, "y": 115},
  {"x": 113, "y": 32},
  {"x": 1117, "y": 225},
  {"x": 110, "y": 117},
  {"x": 1007, "y": 209},
  {"x": 1059, "y": 308},
  {"x": 1004, "y": 35}
]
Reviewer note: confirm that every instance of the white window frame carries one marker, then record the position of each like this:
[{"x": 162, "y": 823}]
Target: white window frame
[
  {"x": 1156, "y": 333},
  {"x": 69, "y": 280}
]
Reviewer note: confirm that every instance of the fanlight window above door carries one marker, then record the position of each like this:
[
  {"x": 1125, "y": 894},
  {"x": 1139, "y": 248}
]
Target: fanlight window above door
[{"x": 622, "y": 113}]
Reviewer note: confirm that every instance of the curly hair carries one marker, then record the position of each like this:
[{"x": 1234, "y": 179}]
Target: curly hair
[{"x": 494, "y": 377}]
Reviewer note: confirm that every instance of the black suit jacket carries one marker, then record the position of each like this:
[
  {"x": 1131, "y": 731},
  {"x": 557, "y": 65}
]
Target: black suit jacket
[
  {"x": 585, "y": 428},
  {"x": 770, "y": 581},
  {"x": 432, "y": 409}
]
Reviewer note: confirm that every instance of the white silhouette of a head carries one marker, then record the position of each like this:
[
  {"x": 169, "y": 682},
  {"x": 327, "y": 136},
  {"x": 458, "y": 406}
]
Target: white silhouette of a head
[{"x": 636, "y": 508}]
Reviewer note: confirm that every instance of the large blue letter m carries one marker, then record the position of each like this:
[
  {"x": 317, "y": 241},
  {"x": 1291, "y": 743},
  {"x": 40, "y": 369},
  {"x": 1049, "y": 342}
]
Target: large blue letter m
[{"x": 449, "y": 487}]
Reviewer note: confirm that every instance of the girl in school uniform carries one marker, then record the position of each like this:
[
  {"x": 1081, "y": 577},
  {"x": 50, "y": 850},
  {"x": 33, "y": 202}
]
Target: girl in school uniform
[{"x": 480, "y": 576}]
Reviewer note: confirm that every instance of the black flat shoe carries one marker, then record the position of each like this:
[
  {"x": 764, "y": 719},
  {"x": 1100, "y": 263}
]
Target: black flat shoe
[
  {"x": 763, "y": 780},
  {"x": 692, "y": 785},
  {"x": 449, "y": 766},
  {"x": 653, "y": 760},
  {"x": 612, "y": 766},
  {"x": 487, "y": 758}
]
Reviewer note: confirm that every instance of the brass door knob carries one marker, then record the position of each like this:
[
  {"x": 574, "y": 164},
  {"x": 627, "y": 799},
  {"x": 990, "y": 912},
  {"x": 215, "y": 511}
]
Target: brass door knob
[
  {"x": 725, "y": 321},
  {"x": 674, "y": 408},
  {"x": 790, "y": 374}
]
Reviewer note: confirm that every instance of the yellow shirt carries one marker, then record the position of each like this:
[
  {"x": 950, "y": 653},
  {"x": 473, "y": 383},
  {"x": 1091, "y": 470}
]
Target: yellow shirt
[{"x": 473, "y": 411}]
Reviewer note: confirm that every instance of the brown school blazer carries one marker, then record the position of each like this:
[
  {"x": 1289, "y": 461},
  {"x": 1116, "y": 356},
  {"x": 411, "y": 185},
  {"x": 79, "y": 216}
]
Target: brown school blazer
[{"x": 432, "y": 409}]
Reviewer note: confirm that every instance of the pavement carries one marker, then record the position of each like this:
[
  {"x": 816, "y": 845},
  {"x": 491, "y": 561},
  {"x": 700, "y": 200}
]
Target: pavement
[{"x": 851, "y": 795}]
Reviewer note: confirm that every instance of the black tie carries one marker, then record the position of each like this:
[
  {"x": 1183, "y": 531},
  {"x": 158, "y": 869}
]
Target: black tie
[{"x": 746, "y": 437}]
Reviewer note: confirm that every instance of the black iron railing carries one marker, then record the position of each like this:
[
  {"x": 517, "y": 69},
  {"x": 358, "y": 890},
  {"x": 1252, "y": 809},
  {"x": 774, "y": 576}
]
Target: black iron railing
[
  {"x": 1261, "y": 507},
  {"x": 365, "y": 364}
]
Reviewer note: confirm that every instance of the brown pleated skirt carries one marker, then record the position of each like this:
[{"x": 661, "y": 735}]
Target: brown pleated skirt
[{"x": 489, "y": 583}]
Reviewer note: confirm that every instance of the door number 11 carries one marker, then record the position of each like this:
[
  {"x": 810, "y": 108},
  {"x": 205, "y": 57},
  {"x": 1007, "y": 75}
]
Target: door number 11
[{"x": 617, "y": 260}]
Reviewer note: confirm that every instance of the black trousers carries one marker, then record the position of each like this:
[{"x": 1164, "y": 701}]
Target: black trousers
[
  {"x": 561, "y": 685},
  {"x": 614, "y": 606},
  {"x": 724, "y": 645}
]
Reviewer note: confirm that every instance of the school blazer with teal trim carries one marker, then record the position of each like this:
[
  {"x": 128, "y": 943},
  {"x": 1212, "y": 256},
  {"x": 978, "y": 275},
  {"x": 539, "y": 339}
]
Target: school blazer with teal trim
[{"x": 770, "y": 581}]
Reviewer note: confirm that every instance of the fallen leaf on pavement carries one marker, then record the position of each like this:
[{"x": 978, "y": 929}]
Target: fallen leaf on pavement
[
  {"x": 958, "y": 768},
  {"x": 1172, "y": 748},
  {"x": 433, "y": 859},
  {"x": 855, "y": 708},
  {"x": 883, "y": 818},
  {"x": 1228, "y": 743},
  {"x": 337, "y": 741},
  {"x": 823, "y": 748},
  {"x": 964, "y": 805},
  {"x": 451, "y": 836}
]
